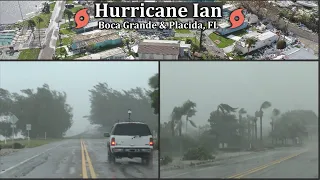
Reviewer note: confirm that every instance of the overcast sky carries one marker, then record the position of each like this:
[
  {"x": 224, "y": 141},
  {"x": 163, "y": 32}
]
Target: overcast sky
[
  {"x": 76, "y": 78},
  {"x": 287, "y": 85}
]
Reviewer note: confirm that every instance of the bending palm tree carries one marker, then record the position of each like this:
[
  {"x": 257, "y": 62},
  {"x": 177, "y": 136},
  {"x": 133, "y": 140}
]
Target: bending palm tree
[
  {"x": 264, "y": 105},
  {"x": 225, "y": 108},
  {"x": 176, "y": 116},
  {"x": 189, "y": 111}
]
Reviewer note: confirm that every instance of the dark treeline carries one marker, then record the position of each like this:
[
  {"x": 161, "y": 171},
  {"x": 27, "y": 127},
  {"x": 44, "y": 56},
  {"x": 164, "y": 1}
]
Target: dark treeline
[
  {"x": 237, "y": 128},
  {"x": 45, "y": 109},
  {"x": 48, "y": 112}
]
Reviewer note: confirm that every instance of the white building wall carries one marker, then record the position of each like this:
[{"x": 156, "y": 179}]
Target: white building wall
[
  {"x": 258, "y": 45},
  {"x": 157, "y": 56}
]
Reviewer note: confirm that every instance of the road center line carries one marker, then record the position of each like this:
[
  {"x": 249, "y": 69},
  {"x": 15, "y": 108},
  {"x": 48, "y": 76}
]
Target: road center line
[
  {"x": 93, "y": 174},
  {"x": 83, "y": 160},
  {"x": 264, "y": 166}
]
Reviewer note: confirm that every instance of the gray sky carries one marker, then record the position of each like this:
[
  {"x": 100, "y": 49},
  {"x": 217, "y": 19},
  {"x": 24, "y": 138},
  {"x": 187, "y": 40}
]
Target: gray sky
[
  {"x": 76, "y": 78},
  {"x": 287, "y": 85}
]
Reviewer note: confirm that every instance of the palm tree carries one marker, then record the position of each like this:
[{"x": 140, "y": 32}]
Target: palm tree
[
  {"x": 241, "y": 112},
  {"x": 225, "y": 108},
  {"x": 194, "y": 48},
  {"x": 127, "y": 42},
  {"x": 176, "y": 116},
  {"x": 257, "y": 114},
  {"x": 264, "y": 105},
  {"x": 275, "y": 114},
  {"x": 250, "y": 42},
  {"x": 188, "y": 109},
  {"x": 69, "y": 15},
  {"x": 201, "y": 39},
  {"x": 31, "y": 25},
  {"x": 39, "y": 20}
]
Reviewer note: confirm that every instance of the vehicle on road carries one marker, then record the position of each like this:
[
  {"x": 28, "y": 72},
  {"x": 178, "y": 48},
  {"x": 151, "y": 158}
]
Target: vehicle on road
[{"x": 131, "y": 140}]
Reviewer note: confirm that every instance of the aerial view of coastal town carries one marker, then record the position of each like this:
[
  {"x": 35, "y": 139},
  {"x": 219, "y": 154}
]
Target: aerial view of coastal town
[{"x": 272, "y": 30}]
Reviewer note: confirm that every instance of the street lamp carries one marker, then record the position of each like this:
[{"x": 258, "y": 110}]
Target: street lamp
[{"x": 129, "y": 113}]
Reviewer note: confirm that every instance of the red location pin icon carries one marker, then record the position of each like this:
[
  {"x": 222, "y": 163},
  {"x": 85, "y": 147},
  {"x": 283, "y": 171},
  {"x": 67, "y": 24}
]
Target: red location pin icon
[
  {"x": 236, "y": 18},
  {"x": 81, "y": 18}
]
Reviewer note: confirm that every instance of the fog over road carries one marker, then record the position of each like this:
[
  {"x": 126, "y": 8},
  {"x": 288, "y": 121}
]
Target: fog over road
[
  {"x": 278, "y": 163},
  {"x": 64, "y": 159}
]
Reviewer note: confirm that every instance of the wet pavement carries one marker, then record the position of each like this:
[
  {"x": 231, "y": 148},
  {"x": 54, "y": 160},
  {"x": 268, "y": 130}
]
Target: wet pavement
[
  {"x": 292, "y": 162},
  {"x": 65, "y": 159}
]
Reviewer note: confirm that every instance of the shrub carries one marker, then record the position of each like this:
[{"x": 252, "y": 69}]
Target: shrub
[
  {"x": 18, "y": 145},
  {"x": 165, "y": 160},
  {"x": 281, "y": 44},
  {"x": 198, "y": 153}
]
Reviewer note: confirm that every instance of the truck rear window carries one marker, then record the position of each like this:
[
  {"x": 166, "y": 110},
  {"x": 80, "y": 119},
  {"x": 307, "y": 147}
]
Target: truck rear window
[{"x": 132, "y": 129}]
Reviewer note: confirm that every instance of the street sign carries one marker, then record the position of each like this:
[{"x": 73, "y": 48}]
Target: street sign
[
  {"x": 13, "y": 119},
  {"x": 28, "y": 127},
  {"x": 13, "y": 126}
]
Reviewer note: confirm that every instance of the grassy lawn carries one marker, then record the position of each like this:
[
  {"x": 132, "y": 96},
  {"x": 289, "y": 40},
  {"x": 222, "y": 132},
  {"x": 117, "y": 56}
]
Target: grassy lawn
[
  {"x": 76, "y": 9},
  {"x": 33, "y": 143},
  {"x": 193, "y": 39},
  {"x": 46, "y": 20},
  {"x": 224, "y": 42},
  {"x": 69, "y": 1},
  {"x": 65, "y": 41},
  {"x": 66, "y": 25},
  {"x": 52, "y": 6},
  {"x": 29, "y": 54},
  {"x": 183, "y": 31},
  {"x": 67, "y": 31}
]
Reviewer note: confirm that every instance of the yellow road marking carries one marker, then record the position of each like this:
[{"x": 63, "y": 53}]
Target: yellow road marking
[
  {"x": 83, "y": 159},
  {"x": 264, "y": 166},
  {"x": 93, "y": 174}
]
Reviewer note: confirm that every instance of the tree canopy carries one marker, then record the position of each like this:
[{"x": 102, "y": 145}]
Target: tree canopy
[
  {"x": 109, "y": 106},
  {"x": 45, "y": 109},
  {"x": 154, "y": 95}
]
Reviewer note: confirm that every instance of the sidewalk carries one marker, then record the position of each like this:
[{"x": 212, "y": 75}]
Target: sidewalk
[{"x": 178, "y": 163}]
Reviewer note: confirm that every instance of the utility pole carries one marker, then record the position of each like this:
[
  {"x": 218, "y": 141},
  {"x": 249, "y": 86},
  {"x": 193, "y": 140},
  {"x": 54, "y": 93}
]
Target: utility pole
[{"x": 20, "y": 10}]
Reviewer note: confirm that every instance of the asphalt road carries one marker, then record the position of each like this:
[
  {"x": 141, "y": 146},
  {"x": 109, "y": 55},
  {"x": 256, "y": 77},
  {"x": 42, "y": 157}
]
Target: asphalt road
[
  {"x": 51, "y": 37},
  {"x": 72, "y": 159},
  {"x": 281, "y": 163}
]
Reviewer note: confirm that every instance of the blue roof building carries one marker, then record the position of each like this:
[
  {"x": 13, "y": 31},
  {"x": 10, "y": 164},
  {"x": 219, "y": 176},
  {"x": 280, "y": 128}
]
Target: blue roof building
[{"x": 224, "y": 28}]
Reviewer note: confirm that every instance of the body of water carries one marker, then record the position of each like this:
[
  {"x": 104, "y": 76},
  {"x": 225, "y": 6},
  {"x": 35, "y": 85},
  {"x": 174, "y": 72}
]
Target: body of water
[{"x": 10, "y": 12}]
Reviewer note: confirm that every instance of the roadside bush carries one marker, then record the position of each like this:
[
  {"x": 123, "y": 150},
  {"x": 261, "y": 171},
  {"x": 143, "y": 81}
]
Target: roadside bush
[
  {"x": 198, "y": 153},
  {"x": 176, "y": 145},
  {"x": 18, "y": 145},
  {"x": 165, "y": 160}
]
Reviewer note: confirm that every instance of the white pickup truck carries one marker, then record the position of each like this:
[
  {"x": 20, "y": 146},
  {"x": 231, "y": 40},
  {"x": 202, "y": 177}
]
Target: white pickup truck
[{"x": 130, "y": 139}]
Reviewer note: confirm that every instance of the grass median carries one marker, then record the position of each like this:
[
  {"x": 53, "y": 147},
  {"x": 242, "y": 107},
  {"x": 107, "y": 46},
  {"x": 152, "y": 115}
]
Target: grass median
[
  {"x": 29, "y": 54},
  {"x": 27, "y": 144}
]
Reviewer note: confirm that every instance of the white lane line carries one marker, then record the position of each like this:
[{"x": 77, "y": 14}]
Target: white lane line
[{"x": 12, "y": 167}]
